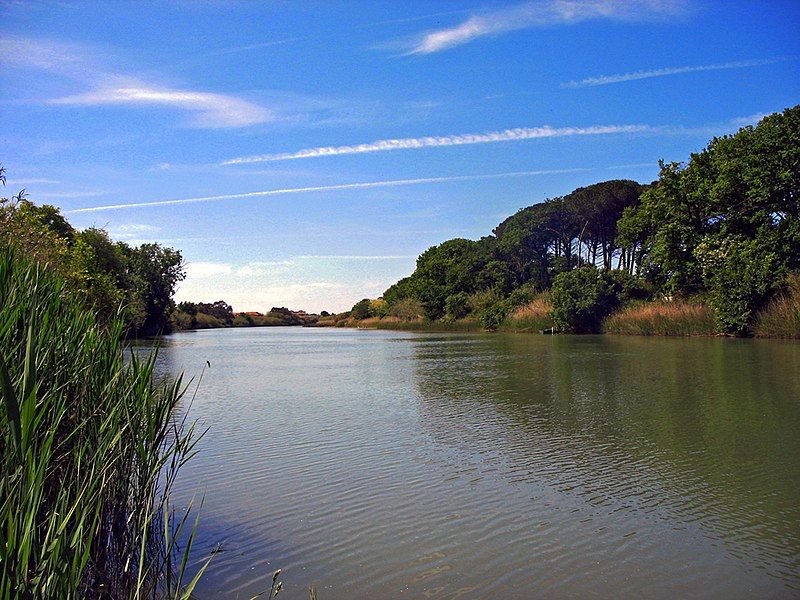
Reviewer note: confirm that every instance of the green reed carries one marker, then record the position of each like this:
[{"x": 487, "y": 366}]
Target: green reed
[{"x": 89, "y": 448}]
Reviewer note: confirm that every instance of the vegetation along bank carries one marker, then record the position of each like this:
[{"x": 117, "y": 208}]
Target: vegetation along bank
[{"x": 711, "y": 247}]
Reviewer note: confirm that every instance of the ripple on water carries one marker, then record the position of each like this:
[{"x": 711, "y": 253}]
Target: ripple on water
[{"x": 444, "y": 466}]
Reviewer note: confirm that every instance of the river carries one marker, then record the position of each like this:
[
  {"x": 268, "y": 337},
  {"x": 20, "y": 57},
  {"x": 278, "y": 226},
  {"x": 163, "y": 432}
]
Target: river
[{"x": 376, "y": 464}]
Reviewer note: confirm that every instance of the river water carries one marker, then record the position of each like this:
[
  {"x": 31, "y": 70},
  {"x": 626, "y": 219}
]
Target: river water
[{"x": 377, "y": 464}]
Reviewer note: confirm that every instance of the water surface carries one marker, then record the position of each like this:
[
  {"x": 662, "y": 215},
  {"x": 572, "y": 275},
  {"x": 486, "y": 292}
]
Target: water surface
[{"x": 396, "y": 465}]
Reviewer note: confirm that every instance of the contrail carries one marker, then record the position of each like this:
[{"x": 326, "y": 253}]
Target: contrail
[
  {"x": 325, "y": 188},
  {"x": 507, "y": 135},
  {"x": 608, "y": 79}
]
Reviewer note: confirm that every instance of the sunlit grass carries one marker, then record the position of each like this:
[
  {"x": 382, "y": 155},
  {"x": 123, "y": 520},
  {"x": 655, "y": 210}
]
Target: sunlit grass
[
  {"x": 531, "y": 317},
  {"x": 676, "y": 318},
  {"x": 781, "y": 317}
]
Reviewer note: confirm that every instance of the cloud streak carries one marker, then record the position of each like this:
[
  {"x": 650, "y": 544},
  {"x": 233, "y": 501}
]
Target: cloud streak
[
  {"x": 621, "y": 78},
  {"x": 323, "y": 188},
  {"x": 507, "y": 135},
  {"x": 209, "y": 110},
  {"x": 539, "y": 14}
]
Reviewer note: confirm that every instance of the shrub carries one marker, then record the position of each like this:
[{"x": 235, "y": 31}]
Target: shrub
[
  {"x": 522, "y": 296},
  {"x": 457, "y": 305},
  {"x": 362, "y": 309},
  {"x": 738, "y": 274},
  {"x": 582, "y": 298}
]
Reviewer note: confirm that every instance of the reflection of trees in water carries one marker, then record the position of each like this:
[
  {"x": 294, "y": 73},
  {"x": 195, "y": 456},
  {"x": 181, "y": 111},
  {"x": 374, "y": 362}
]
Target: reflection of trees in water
[{"x": 689, "y": 429}]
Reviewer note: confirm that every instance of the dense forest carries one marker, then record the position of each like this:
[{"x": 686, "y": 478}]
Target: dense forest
[{"x": 720, "y": 232}]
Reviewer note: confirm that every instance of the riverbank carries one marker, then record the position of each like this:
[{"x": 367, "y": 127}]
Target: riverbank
[{"x": 780, "y": 319}]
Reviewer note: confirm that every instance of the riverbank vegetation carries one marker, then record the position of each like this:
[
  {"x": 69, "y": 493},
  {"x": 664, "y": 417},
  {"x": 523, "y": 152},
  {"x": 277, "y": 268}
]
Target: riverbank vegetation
[
  {"x": 711, "y": 246},
  {"x": 117, "y": 281},
  {"x": 89, "y": 447},
  {"x": 215, "y": 315}
]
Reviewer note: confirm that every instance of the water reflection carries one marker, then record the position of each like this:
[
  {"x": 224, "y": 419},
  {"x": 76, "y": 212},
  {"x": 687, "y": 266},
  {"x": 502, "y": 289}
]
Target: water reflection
[
  {"x": 695, "y": 436},
  {"x": 392, "y": 465}
]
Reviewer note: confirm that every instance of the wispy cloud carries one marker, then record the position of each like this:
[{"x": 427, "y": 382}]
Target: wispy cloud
[
  {"x": 354, "y": 257},
  {"x": 13, "y": 182},
  {"x": 108, "y": 87},
  {"x": 322, "y": 188},
  {"x": 507, "y": 135},
  {"x": 609, "y": 79},
  {"x": 209, "y": 110},
  {"x": 65, "y": 195},
  {"x": 539, "y": 14}
]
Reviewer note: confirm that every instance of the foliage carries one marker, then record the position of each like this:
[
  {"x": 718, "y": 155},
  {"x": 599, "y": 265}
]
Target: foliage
[
  {"x": 457, "y": 305},
  {"x": 727, "y": 222},
  {"x": 362, "y": 309},
  {"x": 407, "y": 309},
  {"x": 112, "y": 278},
  {"x": 582, "y": 298},
  {"x": 89, "y": 448}
]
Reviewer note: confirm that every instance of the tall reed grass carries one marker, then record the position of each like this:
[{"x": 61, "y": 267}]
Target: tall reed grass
[
  {"x": 781, "y": 317},
  {"x": 89, "y": 449},
  {"x": 677, "y": 318},
  {"x": 532, "y": 317}
]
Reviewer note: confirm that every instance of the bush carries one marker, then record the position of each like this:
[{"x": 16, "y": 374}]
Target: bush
[
  {"x": 738, "y": 273},
  {"x": 490, "y": 308},
  {"x": 362, "y": 309},
  {"x": 522, "y": 296},
  {"x": 582, "y": 298},
  {"x": 456, "y": 306}
]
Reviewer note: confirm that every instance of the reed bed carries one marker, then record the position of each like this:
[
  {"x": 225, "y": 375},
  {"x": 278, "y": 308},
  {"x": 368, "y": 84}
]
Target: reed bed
[
  {"x": 676, "y": 318},
  {"x": 89, "y": 449},
  {"x": 532, "y": 317},
  {"x": 781, "y": 317}
]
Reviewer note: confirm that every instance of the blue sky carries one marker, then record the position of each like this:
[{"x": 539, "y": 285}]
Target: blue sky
[{"x": 316, "y": 148}]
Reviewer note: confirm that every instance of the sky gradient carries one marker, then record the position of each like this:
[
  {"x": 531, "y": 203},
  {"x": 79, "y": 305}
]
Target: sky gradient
[{"x": 303, "y": 154}]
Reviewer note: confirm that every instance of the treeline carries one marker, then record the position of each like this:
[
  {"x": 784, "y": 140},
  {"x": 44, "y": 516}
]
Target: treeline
[
  {"x": 721, "y": 231},
  {"x": 214, "y": 315},
  {"x": 113, "y": 279}
]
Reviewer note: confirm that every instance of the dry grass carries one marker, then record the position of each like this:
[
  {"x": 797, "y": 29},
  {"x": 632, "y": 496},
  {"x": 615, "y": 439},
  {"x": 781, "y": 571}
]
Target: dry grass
[
  {"x": 678, "y": 318},
  {"x": 781, "y": 317},
  {"x": 534, "y": 316}
]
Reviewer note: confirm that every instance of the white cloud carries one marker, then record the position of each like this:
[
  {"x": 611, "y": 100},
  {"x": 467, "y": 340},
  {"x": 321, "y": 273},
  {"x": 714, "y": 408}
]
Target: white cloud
[
  {"x": 200, "y": 270},
  {"x": 13, "y": 182},
  {"x": 608, "y": 79},
  {"x": 65, "y": 195},
  {"x": 538, "y": 14},
  {"x": 209, "y": 110},
  {"x": 507, "y": 135},
  {"x": 108, "y": 87}
]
